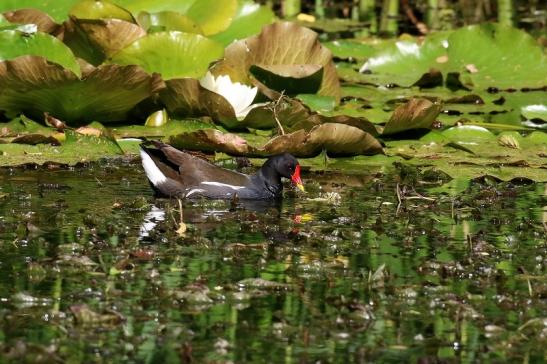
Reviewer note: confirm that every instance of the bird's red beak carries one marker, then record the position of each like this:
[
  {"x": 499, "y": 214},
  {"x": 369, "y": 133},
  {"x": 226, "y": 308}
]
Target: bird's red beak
[{"x": 295, "y": 178}]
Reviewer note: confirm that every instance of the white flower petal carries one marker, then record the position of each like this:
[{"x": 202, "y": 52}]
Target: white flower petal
[{"x": 239, "y": 96}]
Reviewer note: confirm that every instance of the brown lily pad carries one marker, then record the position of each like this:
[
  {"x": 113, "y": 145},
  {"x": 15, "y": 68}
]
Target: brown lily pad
[
  {"x": 417, "y": 113},
  {"x": 282, "y": 44},
  {"x": 96, "y": 40},
  {"x": 33, "y": 16},
  {"x": 32, "y": 85},
  {"x": 336, "y": 139}
]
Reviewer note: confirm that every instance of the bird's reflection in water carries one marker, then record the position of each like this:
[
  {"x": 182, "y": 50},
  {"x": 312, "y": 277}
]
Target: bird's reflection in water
[{"x": 209, "y": 214}]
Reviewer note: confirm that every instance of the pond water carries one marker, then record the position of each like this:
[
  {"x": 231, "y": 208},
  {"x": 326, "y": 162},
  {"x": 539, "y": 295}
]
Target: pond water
[{"x": 94, "y": 269}]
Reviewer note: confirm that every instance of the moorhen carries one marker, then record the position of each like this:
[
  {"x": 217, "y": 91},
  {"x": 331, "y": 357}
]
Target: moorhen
[{"x": 175, "y": 173}]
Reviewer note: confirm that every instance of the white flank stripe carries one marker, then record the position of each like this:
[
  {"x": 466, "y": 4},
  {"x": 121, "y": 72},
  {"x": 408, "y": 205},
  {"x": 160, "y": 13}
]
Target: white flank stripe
[
  {"x": 152, "y": 171},
  {"x": 195, "y": 190},
  {"x": 218, "y": 184}
]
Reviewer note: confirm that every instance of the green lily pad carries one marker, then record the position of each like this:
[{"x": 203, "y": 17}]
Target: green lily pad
[
  {"x": 14, "y": 44},
  {"x": 168, "y": 20},
  {"x": 405, "y": 62},
  {"x": 215, "y": 21},
  {"x": 167, "y": 53},
  {"x": 173, "y": 127},
  {"x": 350, "y": 49},
  {"x": 281, "y": 43},
  {"x": 534, "y": 112},
  {"x": 469, "y": 134},
  {"x": 317, "y": 102},
  {"x": 492, "y": 55},
  {"x": 57, "y": 9},
  {"x": 248, "y": 20},
  {"x": 43, "y": 21},
  {"x": 31, "y": 85},
  {"x": 154, "y": 6},
  {"x": 94, "y": 9}
]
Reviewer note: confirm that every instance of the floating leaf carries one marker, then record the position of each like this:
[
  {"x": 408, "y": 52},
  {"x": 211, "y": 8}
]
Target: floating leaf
[
  {"x": 158, "y": 118},
  {"x": 33, "y": 16},
  {"x": 290, "y": 79},
  {"x": 469, "y": 134},
  {"x": 187, "y": 98},
  {"x": 167, "y": 53},
  {"x": 415, "y": 114},
  {"x": 33, "y": 86},
  {"x": 279, "y": 44},
  {"x": 14, "y": 44},
  {"x": 97, "y": 9},
  {"x": 214, "y": 21},
  {"x": 57, "y": 9},
  {"x": 249, "y": 19},
  {"x": 168, "y": 20},
  {"x": 336, "y": 139},
  {"x": 95, "y": 40},
  {"x": 211, "y": 140}
]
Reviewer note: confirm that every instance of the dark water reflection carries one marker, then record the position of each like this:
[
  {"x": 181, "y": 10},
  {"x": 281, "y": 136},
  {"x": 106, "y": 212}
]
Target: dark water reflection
[{"x": 93, "y": 269}]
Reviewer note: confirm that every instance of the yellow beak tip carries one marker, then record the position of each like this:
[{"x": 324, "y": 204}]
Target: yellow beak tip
[{"x": 300, "y": 187}]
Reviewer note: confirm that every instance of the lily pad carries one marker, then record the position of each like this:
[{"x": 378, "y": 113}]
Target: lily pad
[
  {"x": 290, "y": 79},
  {"x": 57, "y": 9},
  {"x": 168, "y": 20},
  {"x": 42, "y": 20},
  {"x": 417, "y": 113},
  {"x": 279, "y": 44},
  {"x": 492, "y": 55},
  {"x": 248, "y": 20},
  {"x": 167, "y": 53},
  {"x": 31, "y": 85},
  {"x": 97, "y": 9},
  {"x": 468, "y": 134},
  {"x": 535, "y": 112},
  {"x": 14, "y": 44},
  {"x": 336, "y": 139},
  {"x": 95, "y": 40},
  {"x": 185, "y": 97},
  {"x": 215, "y": 21}
]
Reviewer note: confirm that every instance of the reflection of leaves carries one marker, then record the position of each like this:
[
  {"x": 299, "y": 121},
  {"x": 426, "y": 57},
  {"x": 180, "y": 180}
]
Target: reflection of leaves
[
  {"x": 281, "y": 43},
  {"x": 415, "y": 114}
]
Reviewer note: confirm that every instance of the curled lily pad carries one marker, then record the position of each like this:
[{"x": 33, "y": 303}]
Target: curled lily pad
[
  {"x": 14, "y": 43},
  {"x": 31, "y": 85},
  {"x": 95, "y": 40},
  {"x": 166, "y": 21},
  {"x": 33, "y": 16},
  {"x": 469, "y": 134},
  {"x": 291, "y": 79},
  {"x": 336, "y": 139},
  {"x": 280, "y": 44},
  {"x": 211, "y": 140},
  {"x": 248, "y": 20},
  {"x": 417, "y": 113},
  {"x": 167, "y": 53}
]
